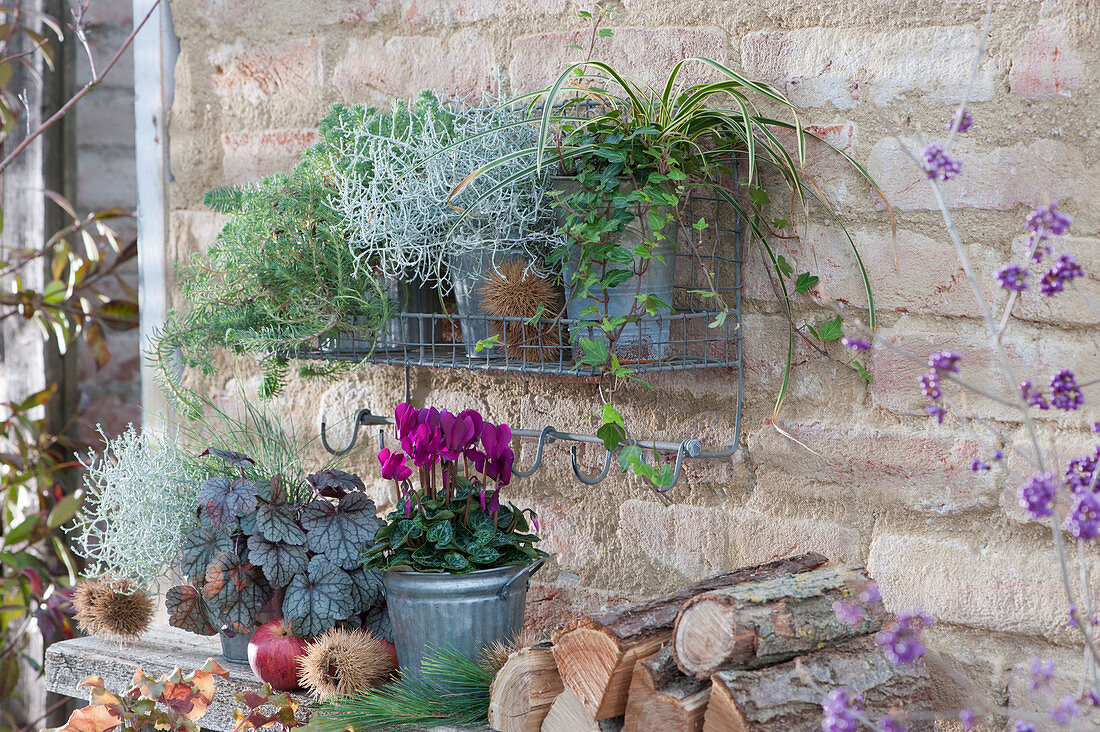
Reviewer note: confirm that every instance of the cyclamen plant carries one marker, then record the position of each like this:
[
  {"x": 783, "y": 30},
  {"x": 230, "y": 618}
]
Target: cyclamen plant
[
  {"x": 1039, "y": 494},
  {"x": 453, "y": 522}
]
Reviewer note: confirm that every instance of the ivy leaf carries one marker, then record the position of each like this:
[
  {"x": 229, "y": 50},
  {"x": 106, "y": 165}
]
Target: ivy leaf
[
  {"x": 231, "y": 458},
  {"x": 804, "y": 282},
  {"x": 367, "y": 589},
  {"x": 235, "y": 590},
  {"x": 830, "y": 330},
  {"x": 334, "y": 483},
  {"x": 862, "y": 371},
  {"x": 314, "y": 601},
  {"x": 188, "y": 611},
  {"x": 225, "y": 500},
  {"x": 339, "y": 531},
  {"x": 783, "y": 267},
  {"x": 276, "y": 522},
  {"x": 595, "y": 351},
  {"x": 280, "y": 561},
  {"x": 198, "y": 548}
]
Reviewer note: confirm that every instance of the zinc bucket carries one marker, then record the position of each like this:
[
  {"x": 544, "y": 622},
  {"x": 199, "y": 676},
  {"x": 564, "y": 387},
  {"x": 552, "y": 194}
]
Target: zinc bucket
[{"x": 465, "y": 611}]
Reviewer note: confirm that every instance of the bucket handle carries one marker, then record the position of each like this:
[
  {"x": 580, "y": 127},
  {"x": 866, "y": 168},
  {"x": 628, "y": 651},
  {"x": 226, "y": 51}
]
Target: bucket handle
[{"x": 529, "y": 570}]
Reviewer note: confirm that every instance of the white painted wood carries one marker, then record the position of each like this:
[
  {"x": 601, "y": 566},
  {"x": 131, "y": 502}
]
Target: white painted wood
[{"x": 155, "y": 50}]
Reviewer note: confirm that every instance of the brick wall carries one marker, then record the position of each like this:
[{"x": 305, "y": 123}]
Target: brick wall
[{"x": 884, "y": 485}]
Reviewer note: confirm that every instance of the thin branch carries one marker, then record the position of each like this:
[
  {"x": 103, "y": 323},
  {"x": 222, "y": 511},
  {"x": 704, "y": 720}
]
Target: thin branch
[{"x": 7, "y": 161}]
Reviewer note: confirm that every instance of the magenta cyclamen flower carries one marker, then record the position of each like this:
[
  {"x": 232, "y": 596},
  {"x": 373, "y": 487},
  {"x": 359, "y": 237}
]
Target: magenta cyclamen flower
[
  {"x": 964, "y": 124},
  {"x": 1037, "y": 495},
  {"x": 1047, "y": 221},
  {"x": 498, "y": 457},
  {"x": 940, "y": 165},
  {"x": 1064, "y": 392},
  {"x": 423, "y": 445},
  {"x": 1040, "y": 672},
  {"x": 856, "y": 344},
  {"x": 901, "y": 640},
  {"x": 840, "y": 711},
  {"x": 459, "y": 432},
  {"x": 393, "y": 465},
  {"x": 405, "y": 419},
  {"x": 1013, "y": 277},
  {"x": 1083, "y": 521}
]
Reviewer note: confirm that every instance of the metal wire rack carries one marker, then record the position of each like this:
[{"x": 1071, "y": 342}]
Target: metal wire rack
[{"x": 702, "y": 332}]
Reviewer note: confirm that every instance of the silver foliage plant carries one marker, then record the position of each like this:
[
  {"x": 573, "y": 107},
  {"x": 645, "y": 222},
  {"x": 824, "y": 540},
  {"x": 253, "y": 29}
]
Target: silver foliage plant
[
  {"x": 139, "y": 503},
  {"x": 402, "y": 221}
]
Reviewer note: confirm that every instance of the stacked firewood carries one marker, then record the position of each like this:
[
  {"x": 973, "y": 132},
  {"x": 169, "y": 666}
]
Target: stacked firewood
[{"x": 753, "y": 650}]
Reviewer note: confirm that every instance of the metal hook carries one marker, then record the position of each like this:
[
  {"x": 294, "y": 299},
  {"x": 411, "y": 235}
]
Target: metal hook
[
  {"x": 354, "y": 434},
  {"x": 685, "y": 447},
  {"x": 577, "y": 467},
  {"x": 544, "y": 436}
]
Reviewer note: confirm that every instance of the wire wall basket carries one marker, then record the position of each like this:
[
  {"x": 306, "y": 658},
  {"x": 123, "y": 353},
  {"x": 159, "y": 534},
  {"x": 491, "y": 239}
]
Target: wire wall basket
[{"x": 702, "y": 331}]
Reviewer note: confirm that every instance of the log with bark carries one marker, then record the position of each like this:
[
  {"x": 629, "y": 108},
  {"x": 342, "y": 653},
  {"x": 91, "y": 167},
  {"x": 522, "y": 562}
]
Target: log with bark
[
  {"x": 767, "y": 622},
  {"x": 663, "y": 699},
  {"x": 783, "y": 699},
  {"x": 524, "y": 689},
  {"x": 596, "y": 656}
]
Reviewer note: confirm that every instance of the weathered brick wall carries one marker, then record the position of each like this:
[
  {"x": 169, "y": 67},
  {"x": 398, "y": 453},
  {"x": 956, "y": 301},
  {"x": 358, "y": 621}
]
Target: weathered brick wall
[{"x": 886, "y": 486}]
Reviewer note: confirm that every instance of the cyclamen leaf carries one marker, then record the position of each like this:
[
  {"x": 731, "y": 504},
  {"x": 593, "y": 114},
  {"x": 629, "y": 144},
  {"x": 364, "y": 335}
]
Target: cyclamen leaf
[
  {"x": 334, "y": 483},
  {"x": 340, "y": 531},
  {"x": 231, "y": 458},
  {"x": 198, "y": 548},
  {"x": 225, "y": 500},
  {"x": 235, "y": 590},
  {"x": 367, "y": 590},
  {"x": 188, "y": 611},
  {"x": 441, "y": 533},
  {"x": 278, "y": 524},
  {"x": 314, "y": 601},
  {"x": 280, "y": 561}
]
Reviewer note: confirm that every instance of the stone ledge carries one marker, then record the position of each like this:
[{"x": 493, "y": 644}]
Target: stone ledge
[{"x": 159, "y": 651}]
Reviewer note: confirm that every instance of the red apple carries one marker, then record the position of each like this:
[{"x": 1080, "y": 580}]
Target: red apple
[{"x": 273, "y": 654}]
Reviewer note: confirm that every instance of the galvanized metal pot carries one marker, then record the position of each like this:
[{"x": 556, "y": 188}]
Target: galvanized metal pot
[
  {"x": 466, "y": 611},
  {"x": 235, "y": 649},
  {"x": 468, "y": 271}
]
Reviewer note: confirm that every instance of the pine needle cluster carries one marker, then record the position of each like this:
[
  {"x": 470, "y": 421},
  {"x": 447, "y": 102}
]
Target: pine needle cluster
[{"x": 113, "y": 608}]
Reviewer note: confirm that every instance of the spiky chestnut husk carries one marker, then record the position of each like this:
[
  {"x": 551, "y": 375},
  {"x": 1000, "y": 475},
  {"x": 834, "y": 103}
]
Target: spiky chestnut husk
[
  {"x": 113, "y": 608},
  {"x": 341, "y": 661},
  {"x": 496, "y": 654},
  {"x": 512, "y": 290}
]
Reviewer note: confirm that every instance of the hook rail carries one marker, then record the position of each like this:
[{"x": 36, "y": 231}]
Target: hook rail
[{"x": 691, "y": 448}]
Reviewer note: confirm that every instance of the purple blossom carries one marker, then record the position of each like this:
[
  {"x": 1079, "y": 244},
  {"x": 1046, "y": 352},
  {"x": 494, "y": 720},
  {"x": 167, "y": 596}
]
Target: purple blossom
[
  {"x": 848, "y": 613},
  {"x": 963, "y": 124},
  {"x": 935, "y": 410},
  {"x": 930, "y": 385},
  {"x": 901, "y": 640},
  {"x": 1047, "y": 221},
  {"x": 1083, "y": 520},
  {"x": 856, "y": 344},
  {"x": 1037, "y": 495},
  {"x": 1096, "y": 426},
  {"x": 1064, "y": 271},
  {"x": 423, "y": 445},
  {"x": 1064, "y": 392},
  {"x": 1033, "y": 396},
  {"x": 967, "y": 718},
  {"x": 459, "y": 432},
  {"x": 979, "y": 464},
  {"x": 393, "y": 465},
  {"x": 870, "y": 593},
  {"x": 998, "y": 455},
  {"x": 1080, "y": 471},
  {"x": 840, "y": 711},
  {"x": 1065, "y": 710},
  {"x": 1013, "y": 277},
  {"x": 1022, "y": 726},
  {"x": 1040, "y": 672},
  {"x": 938, "y": 164},
  {"x": 405, "y": 420},
  {"x": 889, "y": 724},
  {"x": 1072, "y": 616},
  {"x": 944, "y": 361},
  {"x": 1092, "y": 698}
]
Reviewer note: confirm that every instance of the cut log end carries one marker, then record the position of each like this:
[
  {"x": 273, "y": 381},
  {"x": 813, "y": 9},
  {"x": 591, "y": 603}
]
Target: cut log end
[
  {"x": 664, "y": 700},
  {"x": 523, "y": 690},
  {"x": 722, "y": 714},
  {"x": 567, "y": 714},
  {"x": 709, "y": 632}
]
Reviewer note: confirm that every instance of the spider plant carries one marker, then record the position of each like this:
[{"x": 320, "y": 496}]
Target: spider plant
[{"x": 591, "y": 115}]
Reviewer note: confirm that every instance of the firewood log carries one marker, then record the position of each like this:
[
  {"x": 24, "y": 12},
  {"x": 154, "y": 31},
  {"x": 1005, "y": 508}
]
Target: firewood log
[
  {"x": 763, "y": 623},
  {"x": 596, "y": 656},
  {"x": 782, "y": 699},
  {"x": 524, "y": 689},
  {"x": 663, "y": 699},
  {"x": 567, "y": 714}
]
